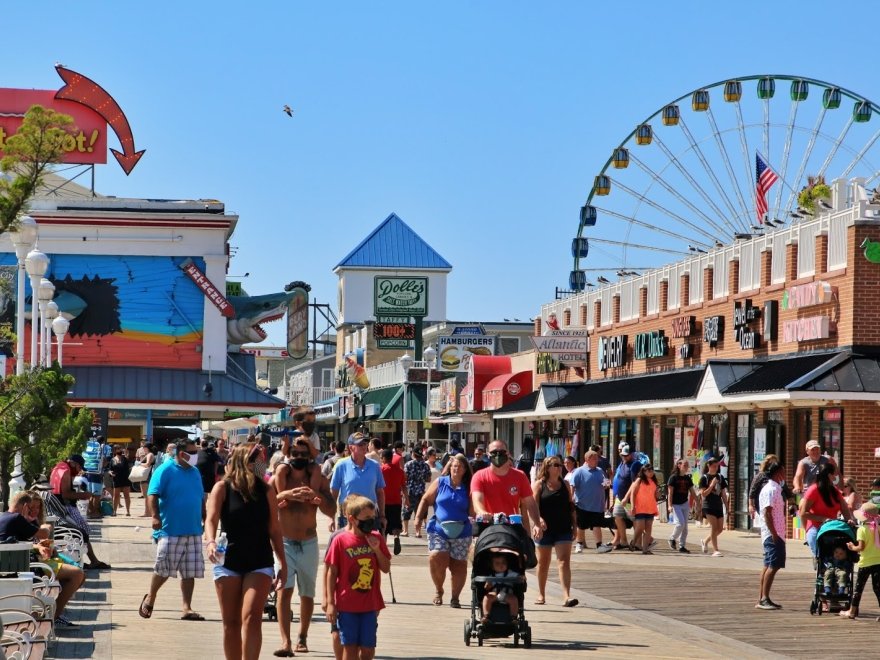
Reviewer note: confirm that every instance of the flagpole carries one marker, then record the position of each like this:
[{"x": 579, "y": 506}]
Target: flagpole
[{"x": 778, "y": 178}]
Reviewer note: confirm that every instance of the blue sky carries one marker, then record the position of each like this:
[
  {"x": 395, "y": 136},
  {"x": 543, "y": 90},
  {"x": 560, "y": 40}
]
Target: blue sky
[{"x": 481, "y": 124}]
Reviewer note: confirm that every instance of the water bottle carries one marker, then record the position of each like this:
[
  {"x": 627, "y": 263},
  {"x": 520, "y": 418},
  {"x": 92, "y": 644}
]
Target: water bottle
[{"x": 220, "y": 549}]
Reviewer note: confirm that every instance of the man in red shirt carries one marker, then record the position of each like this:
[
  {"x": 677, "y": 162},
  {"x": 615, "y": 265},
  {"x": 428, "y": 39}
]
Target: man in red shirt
[
  {"x": 501, "y": 488},
  {"x": 395, "y": 495}
]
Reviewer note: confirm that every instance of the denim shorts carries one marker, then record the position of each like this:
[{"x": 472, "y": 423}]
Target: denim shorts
[
  {"x": 358, "y": 628},
  {"x": 549, "y": 539},
  {"x": 774, "y": 553},
  {"x": 222, "y": 572}
]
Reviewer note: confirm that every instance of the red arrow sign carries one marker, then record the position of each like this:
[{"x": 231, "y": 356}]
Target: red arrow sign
[{"x": 80, "y": 89}]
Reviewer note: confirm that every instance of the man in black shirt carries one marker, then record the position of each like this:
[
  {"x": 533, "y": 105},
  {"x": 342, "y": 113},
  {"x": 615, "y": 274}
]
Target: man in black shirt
[
  {"x": 208, "y": 464},
  {"x": 13, "y": 524}
]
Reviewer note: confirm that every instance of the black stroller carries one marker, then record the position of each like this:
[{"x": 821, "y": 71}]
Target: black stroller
[
  {"x": 512, "y": 541},
  {"x": 832, "y": 535}
]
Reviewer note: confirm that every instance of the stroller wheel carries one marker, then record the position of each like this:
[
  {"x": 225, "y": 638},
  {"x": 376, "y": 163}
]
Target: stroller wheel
[
  {"x": 813, "y": 607},
  {"x": 527, "y": 639},
  {"x": 479, "y": 638},
  {"x": 467, "y": 633},
  {"x": 515, "y": 639}
]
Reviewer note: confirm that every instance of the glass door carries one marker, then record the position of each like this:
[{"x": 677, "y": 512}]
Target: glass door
[{"x": 744, "y": 467}]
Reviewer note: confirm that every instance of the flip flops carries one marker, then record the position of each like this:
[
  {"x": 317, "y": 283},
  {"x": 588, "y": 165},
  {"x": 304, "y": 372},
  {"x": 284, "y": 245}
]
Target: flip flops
[
  {"x": 283, "y": 653},
  {"x": 438, "y": 599},
  {"x": 192, "y": 616},
  {"x": 146, "y": 611},
  {"x": 571, "y": 602},
  {"x": 301, "y": 646}
]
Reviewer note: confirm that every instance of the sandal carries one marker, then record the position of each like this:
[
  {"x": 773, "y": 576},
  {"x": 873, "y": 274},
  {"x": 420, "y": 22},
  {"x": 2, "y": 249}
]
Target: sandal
[
  {"x": 146, "y": 611},
  {"x": 282, "y": 653},
  {"x": 539, "y": 600},
  {"x": 192, "y": 616},
  {"x": 570, "y": 602},
  {"x": 438, "y": 599},
  {"x": 454, "y": 603},
  {"x": 301, "y": 646}
]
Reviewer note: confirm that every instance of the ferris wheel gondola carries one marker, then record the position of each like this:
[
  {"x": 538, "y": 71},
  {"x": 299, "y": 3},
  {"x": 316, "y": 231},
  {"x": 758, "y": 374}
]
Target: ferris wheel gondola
[{"x": 684, "y": 182}]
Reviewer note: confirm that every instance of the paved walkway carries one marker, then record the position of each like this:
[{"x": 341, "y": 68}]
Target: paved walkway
[{"x": 412, "y": 627}]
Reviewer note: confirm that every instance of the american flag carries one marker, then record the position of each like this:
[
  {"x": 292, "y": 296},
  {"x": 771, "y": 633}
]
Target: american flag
[{"x": 765, "y": 177}]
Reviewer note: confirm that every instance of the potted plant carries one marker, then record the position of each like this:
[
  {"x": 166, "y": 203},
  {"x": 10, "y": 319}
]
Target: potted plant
[{"x": 815, "y": 190}]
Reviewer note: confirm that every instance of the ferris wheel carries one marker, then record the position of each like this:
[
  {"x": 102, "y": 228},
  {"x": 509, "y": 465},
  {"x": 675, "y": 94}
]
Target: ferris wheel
[{"x": 684, "y": 181}]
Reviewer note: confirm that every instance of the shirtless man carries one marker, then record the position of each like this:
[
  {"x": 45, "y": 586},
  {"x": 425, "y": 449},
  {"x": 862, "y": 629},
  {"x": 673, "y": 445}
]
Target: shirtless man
[{"x": 301, "y": 492}]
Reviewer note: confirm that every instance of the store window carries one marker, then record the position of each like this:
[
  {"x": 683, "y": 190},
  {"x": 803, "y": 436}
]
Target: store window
[{"x": 831, "y": 434}]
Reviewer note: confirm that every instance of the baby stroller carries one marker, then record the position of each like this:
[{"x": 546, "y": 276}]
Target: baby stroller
[
  {"x": 833, "y": 534},
  {"x": 494, "y": 539}
]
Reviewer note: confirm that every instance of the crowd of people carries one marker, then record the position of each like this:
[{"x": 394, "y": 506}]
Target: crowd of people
[{"x": 253, "y": 512}]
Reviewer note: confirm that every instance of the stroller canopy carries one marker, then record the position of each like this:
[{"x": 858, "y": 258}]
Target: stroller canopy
[
  {"x": 836, "y": 528},
  {"x": 508, "y": 537}
]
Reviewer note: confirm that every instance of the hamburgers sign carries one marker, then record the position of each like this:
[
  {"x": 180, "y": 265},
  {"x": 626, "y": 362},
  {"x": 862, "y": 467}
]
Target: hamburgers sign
[{"x": 455, "y": 352}]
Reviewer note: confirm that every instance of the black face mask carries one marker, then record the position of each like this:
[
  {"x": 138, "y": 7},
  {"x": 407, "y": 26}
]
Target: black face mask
[
  {"x": 308, "y": 428},
  {"x": 367, "y": 526},
  {"x": 498, "y": 459},
  {"x": 299, "y": 463}
]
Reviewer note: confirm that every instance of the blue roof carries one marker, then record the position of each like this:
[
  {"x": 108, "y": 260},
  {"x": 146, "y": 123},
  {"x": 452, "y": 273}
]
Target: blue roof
[{"x": 393, "y": 245}]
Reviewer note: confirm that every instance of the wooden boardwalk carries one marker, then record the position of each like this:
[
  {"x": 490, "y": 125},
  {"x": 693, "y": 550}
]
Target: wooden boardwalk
[{"x": 664, "y": 606}]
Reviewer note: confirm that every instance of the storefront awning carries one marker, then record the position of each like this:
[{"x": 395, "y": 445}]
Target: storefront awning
[
  {"x": 374, "y": 401},
  {"x": 786, "y": 373},
  {"x": 505, "y": 389},
  {"x": 415, "y": 408},
  {"x": 653, "y": 387},
  {"x": 544, "y": 399}
]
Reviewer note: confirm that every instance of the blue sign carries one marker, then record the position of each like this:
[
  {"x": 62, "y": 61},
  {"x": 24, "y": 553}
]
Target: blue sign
[{"x": 468, "y": 330}]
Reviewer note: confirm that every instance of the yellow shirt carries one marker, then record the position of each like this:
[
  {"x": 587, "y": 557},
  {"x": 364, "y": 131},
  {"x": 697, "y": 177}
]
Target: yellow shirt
[{"x": 871, "y": 553}]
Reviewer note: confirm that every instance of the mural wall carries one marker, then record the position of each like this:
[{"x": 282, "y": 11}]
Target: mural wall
[{"x": 126, "y": 310}]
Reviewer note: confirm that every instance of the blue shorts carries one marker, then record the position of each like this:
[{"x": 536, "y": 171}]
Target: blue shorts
[
  {"x": 774, "y": 553},
  {"x": 358, "y": 628},
  {"x": 549, "y": 539},
  {"x": 95, "y": 483},
  {"x": 222, "y": 572},
  {"x": 644, "y": 516}
]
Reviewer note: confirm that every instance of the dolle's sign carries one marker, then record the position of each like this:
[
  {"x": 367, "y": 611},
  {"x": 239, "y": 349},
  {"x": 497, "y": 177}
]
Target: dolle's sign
[
  {"x": 612, "y": 352},
  {"x": 396, "y": 296}
]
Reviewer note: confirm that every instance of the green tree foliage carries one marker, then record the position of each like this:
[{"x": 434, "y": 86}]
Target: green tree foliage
[
  {"x": 34, "y": 403},
  {"x": 37, "y": 144}
]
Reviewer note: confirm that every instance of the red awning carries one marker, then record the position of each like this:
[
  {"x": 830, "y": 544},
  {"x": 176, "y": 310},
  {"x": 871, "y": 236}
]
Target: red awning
[{"x": 505, "y": 389}]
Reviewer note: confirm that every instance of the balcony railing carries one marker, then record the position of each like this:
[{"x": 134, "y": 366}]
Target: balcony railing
[
  {"x": 309, "y": 396},
  {"x": 391, "y": 373}
]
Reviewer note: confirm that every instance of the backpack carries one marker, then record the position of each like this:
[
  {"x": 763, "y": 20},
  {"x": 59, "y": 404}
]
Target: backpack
[{"x": 57, "y": 475}]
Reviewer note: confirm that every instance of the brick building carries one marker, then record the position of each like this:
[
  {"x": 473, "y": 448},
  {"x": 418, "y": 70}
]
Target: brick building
[{"x": 749, "y": 349}]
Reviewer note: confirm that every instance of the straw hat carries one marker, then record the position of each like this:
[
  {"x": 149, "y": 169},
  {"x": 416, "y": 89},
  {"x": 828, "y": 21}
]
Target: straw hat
[{"x": 868, "y": 510}]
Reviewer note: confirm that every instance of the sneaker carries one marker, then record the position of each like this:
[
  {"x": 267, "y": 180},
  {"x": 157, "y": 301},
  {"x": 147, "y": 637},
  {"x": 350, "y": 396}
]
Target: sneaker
[
  {"x": 578, "y": 548},
  {"x": 684, "y": 550},
  {"x": 64, "y": 622},
  {"x": 672, "y": 544},
  {"x": 652, "y": 544},
  {"x": 717, "y": 553},
  {"x": 603, "y": 548},
  {"x": 775, "y": 606},
  {"x": 765, "y": 604},
  {"x": 704, "y": 546}
]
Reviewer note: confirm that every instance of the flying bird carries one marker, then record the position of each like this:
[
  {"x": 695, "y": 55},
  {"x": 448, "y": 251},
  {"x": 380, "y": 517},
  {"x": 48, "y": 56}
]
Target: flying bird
[{"x": 287, "y": 110}]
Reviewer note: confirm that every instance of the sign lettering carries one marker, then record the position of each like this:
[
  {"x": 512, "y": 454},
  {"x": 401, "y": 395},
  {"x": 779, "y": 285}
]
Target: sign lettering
[
  {"x": 686, "y": 351},
  {"x": 298, "y": 324},
  {"x": 683, "y": 326},
  {"x": 563, "y": 341},
  {"x": 743, "y": 315},
  {"x": 806, "y": 329},
  {"x": 401, "y": 295},
  {"x": 713, "y": 330},
  {"x": 612, "y": 352},
  {"x": 650, "y": 345},
  {"x": 211, "y": 292},
  {"x": 771, "y": 320},
  {"x": 807, "y": 295}
]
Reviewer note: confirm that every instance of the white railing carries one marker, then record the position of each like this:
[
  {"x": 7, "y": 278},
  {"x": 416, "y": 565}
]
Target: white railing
[
  {"x": 803, "y": 233},
  {"x": 309, "y": 396},
  {"x": 391, "y": 373}
]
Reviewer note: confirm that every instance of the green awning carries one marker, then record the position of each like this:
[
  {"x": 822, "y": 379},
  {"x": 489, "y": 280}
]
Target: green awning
[
  {"x": 416, "y": 408},
  {"x": 378, "y": 400}
]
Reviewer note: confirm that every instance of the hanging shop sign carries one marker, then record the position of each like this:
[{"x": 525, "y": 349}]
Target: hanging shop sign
[
  {"x": 400, "y": 295},
  {"x": 456, "y": 350},
  {"x": 810, "y": 328},
  {"x": 468, "y": 330},
  {"x": 713, "y": 330},
  {"x": 298, "y": 324},
  {"x": 650, "y": 345},
  {"x": 569, "y": 346},
  {"x": 744, "y": 314},
  {"x": 771, "y": 320},
  {"x": 683, "y": 326},
  {"x": 686, "y": 351},
  {"x": 872, "y": 253},
  {"x": 612, "y": 352},
  {"x": 807, "y": 295}
]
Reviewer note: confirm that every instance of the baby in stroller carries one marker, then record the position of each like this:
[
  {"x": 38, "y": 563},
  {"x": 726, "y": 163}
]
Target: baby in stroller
[
  {"x": 837, "y": 571},
  {"x": 501, "y": 591}
]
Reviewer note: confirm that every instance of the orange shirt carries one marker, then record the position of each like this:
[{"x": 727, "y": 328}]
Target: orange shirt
[{"x": 646, "y": 498}]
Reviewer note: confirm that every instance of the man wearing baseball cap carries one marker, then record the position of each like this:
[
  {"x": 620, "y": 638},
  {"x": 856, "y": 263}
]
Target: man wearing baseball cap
[
  {"x": 358, "y": 476},
  {"x": 808, "y": 467},
  {"x": 627, "y": 470}
]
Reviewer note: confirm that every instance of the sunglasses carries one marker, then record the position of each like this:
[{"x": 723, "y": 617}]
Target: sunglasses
[{"x": 559, "y": 465}]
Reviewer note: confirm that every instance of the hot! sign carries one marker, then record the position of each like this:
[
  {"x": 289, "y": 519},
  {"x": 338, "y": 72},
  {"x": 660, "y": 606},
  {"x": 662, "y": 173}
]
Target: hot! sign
[{"x": 92, "y": 109}]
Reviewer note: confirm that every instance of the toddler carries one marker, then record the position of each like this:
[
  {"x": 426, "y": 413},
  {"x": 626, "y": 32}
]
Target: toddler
[
  {"x": 503, "y": 592},
  {"x": 837, "y": 572}
]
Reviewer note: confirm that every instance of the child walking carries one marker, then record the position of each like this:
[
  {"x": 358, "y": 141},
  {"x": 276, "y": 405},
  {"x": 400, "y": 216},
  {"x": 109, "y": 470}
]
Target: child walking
[
  {"x": 353, "y": 560},
  {"x": 643, "y": 496},
  {"x": 868, "y": 544}
]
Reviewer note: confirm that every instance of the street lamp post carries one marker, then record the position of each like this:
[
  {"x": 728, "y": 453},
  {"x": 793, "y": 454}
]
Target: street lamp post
[
  {"x": 36, "y": 264},
  {"x": 23, "y": 240},
  {"x": 45, "y": 293},
  {"x": 430, "y": 356},
  {"x": 406, "y": 362},
  {"x": 51, "y": 315},
  {"x": 60, "y": 326}
]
